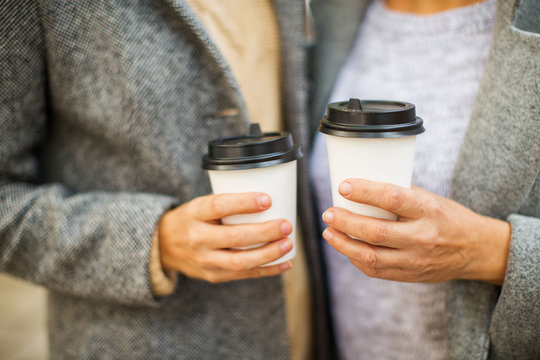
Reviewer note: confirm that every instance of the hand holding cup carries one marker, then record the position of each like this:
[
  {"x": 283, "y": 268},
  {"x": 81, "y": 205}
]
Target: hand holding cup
[
  {"x": 194, "y": 242},
  {"x": 258, "y": 162},
  {"x": 387, "y": 229},
  {"x": 435, "y": 239}
]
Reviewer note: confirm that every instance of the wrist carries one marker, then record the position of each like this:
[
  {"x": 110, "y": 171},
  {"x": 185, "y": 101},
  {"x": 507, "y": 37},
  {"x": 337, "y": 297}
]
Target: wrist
[
  {"x": 492, "y": 247},
  {"x": 162, "y": 281}
]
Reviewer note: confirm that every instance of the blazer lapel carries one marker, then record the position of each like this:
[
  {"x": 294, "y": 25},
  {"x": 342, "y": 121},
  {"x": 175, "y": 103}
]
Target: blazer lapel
[
  {"x": 497, "y": 166},
  {"x": 289, "y": 15},
  {"x": 499, "y": 158},
  {"x": 190, "y": 20}
]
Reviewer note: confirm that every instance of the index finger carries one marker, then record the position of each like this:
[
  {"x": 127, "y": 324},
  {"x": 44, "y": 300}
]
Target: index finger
[
  {"x": 395, "y": 199},
  {"x": 217, "y": 206}
]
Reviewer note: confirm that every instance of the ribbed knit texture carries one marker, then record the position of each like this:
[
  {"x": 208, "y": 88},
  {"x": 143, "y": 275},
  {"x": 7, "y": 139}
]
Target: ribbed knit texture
[{"x": 436, "y": 63}]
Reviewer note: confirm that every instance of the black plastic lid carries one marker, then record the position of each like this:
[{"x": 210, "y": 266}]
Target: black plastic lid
[
  {"x": 255, "y": 150},
  {"x": 371, "y": 119}
]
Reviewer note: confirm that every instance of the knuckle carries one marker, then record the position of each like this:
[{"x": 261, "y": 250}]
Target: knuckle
[
  {"x": 428, "y": 238},
  {"x": 433, "y": 208},
  {"x": 242, "y": 236},
  {"x": 192, "y": 238},
  {"x": 188, "y": 209},
  {"x": 419, "y": 262},
  {"x": 237, "y": 237},
  {"x": 256, "y": 274},
  {"x": 201, "y": 260},
  {"x": 425, "y": 206},
  {"x": 192, "y": 208},
  {"x": 376, "y": 233},
  {"x": 394, "y": 198},
  {"x": 217, "y": 204},
  {"x": 238, "y": 264},
  {"x": 370, "y": 259}
]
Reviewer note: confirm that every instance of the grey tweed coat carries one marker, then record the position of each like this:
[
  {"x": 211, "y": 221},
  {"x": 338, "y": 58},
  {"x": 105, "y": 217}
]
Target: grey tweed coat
[
  {"x": 106, "y": 108},
  {"x": 497, "y": 174}
]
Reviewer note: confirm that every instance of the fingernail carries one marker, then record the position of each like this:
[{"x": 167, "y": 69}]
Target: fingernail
[
  {"x": 285, "y": 266},
  {"x": 328, "y": 216},
  {"x": 327, "y": 234},
  {"x": 286, "y": 246},
  {"x": 263, "y": 200},
  {"x": 345, "y": 188},
  {"x": 286, "y": 228}
]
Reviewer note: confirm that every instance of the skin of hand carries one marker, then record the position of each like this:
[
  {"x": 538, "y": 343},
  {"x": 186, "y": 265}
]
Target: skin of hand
[
  {"x": 194, "y": 242},
  {"x": 435, "y": 239}
]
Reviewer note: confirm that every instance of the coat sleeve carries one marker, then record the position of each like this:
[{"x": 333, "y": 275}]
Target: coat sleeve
[
  {"x": 93, "y": 245},
  {"x": 514, "y": 329},
  {"x": 491, "y": 322}
]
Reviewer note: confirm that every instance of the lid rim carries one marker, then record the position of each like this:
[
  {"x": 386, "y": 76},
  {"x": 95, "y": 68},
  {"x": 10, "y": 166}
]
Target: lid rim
[
  {"x": 418, "y": 122},
  {"x": 372, "y": 131},
  {"x": 255, "y": 158},
  {"x": 253, "y": 150},
  {"x": 360, "y": 135},
  {"x": 219, "y": 142},
  {"x": 244, "y": 164},
  {"x": 371, "y": 118}
]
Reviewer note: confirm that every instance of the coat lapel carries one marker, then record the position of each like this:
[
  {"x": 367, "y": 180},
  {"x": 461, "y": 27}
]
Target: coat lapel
[
  {"x": 498, "y": 163},
  {"x": 190, "y": 20},
  {"x": 499, "y": 159},
  {"x": 289, "y": 15}
]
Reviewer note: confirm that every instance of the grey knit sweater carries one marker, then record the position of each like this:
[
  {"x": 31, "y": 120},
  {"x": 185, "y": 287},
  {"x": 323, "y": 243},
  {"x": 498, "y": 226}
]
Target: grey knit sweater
[{"x": 435, "y": 62}]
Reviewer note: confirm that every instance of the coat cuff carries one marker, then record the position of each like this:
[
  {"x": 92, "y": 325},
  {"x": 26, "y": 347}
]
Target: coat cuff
[
  {"x": 514, "y": 328},
  {"x": 162, "y": 282}
]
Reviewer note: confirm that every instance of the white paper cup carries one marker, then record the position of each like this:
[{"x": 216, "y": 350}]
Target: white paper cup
[
  {"x": 372, "y": 140},
  {"x": 258, "y": 162},
  {"x": 278, "y": 181},
  {"x": 387, "y": 160}
]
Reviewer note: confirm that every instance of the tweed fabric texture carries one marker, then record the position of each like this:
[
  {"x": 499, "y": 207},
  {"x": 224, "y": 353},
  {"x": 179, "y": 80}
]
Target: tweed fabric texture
[{"x": 105, "y": 112}]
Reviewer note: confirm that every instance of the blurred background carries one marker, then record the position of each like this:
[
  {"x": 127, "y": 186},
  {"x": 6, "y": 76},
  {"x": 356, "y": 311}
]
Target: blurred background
[{"x": 23, "y": 320}]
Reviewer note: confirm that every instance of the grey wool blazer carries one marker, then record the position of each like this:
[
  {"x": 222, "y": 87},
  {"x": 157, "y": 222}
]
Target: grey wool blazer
[
  {"x": 497, "y": 173},
  {"x": 106, "y": 108}
]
